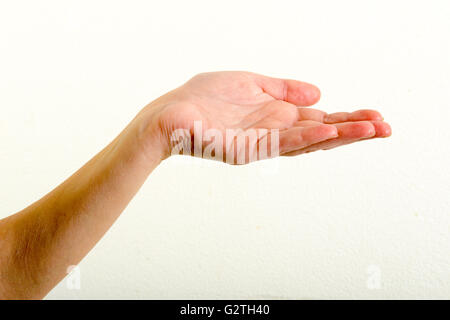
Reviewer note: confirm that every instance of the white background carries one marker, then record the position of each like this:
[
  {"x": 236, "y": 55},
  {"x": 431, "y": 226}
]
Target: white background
[{"x": 371, "y": 220}]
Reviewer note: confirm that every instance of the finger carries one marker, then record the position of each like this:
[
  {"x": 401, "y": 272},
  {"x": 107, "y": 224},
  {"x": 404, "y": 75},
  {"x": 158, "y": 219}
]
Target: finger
[
  {"x": 321, "y": 116},
  {"x": 359, "y": 115},
  {"x": 293, "y": 91},
  {"x": 306, "y": 123},
  {"x": 350, "y": 132},
  {"x": 310, "y": 114},
  {"x": 297, "y": 137},
  {"x": 382, "y": 129}
]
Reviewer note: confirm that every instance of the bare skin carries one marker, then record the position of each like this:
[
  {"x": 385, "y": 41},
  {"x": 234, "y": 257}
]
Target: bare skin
[{"x": 39, "y": 243}]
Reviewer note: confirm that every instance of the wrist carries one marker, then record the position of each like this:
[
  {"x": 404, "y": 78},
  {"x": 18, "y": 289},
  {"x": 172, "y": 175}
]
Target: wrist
[{"x": 145, "y": 131}]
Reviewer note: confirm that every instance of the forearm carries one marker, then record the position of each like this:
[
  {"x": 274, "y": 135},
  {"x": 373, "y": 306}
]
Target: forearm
[{"x": 39, "y": 243}]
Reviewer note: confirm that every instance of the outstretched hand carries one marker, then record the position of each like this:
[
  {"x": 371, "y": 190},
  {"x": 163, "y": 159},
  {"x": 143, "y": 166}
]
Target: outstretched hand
[
  {"x": 246, "y": 101},
  {"x": 39, "y": 243}
]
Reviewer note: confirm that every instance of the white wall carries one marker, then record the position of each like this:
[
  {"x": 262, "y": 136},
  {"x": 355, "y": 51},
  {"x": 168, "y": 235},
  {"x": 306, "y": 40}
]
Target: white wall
[{"x": 322, "y": 225}]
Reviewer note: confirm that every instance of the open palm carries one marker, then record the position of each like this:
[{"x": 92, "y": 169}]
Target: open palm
[{"x": 247, "y": 101}]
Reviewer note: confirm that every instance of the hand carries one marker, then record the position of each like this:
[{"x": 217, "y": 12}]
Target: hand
[
  {"x": 39, "y": 243},
  {"x": 243, "y": 100}
]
